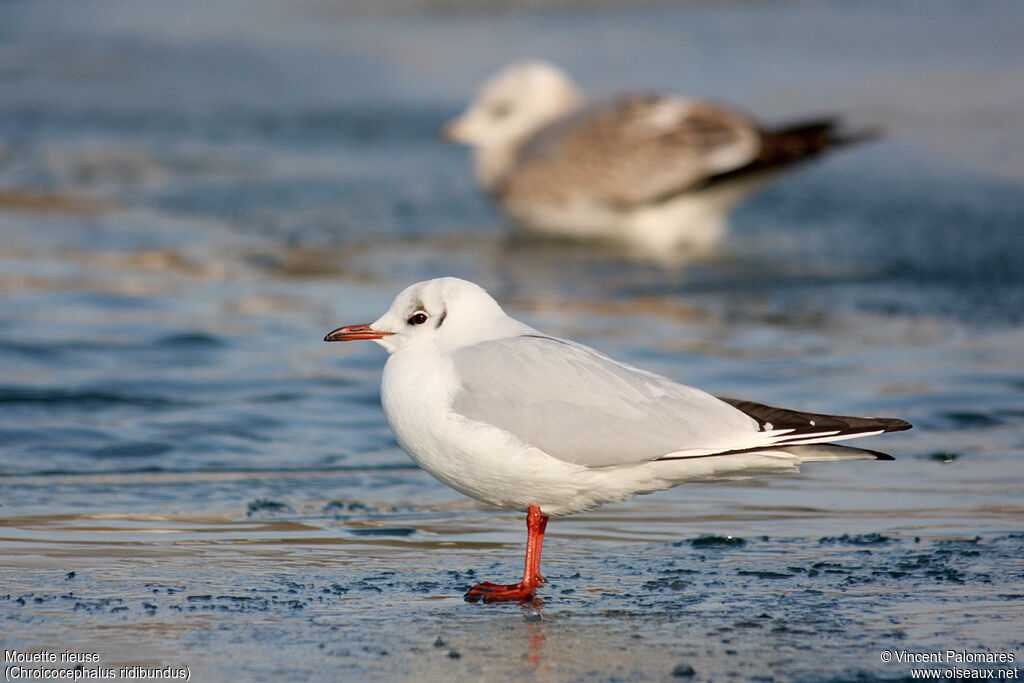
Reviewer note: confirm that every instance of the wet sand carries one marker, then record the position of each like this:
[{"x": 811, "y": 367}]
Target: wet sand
[{"x": 727, "y": 580}]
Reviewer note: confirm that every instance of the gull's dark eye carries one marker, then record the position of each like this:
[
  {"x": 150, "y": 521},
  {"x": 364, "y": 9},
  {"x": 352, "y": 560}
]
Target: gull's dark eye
[
  {"x": 417, "y": 318},
  {"x": 501, "y": 110}
]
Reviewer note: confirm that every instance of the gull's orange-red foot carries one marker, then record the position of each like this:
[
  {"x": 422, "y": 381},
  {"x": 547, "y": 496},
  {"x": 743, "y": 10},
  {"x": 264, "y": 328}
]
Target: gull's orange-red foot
[
  {"x": 536, "y": 523},
  {"x": 495, "y": 592}
]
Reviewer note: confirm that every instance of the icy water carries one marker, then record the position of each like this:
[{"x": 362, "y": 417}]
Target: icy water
[{"x": 193, "y": 193}]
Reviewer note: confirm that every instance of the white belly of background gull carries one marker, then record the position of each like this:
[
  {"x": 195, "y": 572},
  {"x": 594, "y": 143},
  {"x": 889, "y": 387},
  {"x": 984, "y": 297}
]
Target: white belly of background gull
[
  {"x": 655, "y": 171},
  {"x": 521, "y": 420}
]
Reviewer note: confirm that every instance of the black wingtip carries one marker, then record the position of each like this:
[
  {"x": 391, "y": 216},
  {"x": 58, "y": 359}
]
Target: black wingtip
[
  {"x": 894, "y": 424},
  {"x": 808, "y": 423},
  {"x": 827, "y": 132},
  {"x": 856, "y": 137}
]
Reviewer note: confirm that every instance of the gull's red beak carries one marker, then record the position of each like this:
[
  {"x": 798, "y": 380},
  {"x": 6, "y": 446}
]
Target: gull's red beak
[{"x": 355, "y": 332}]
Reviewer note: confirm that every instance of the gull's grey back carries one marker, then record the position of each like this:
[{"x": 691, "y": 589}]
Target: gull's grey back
[{"x": 580, "y": 406}]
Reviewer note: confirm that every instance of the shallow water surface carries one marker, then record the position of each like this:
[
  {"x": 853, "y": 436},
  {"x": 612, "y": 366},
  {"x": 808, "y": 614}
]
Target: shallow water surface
[{"x": 193, "y": 194}]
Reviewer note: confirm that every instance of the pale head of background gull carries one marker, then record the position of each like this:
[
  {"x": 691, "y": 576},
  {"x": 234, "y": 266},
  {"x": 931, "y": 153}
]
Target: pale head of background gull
[
  {"x": 509, "y": 109},
  {"x": 521, "y": 420}
]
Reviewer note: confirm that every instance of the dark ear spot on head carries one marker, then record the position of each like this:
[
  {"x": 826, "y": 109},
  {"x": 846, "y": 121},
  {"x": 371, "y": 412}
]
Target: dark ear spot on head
[{"x": 440, "y": 319}]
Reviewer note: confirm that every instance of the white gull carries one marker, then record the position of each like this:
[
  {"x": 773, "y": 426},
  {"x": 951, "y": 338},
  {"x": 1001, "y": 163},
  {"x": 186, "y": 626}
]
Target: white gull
[{"x": 518, "y": 419}]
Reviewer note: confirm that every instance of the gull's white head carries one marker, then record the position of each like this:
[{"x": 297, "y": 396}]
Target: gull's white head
[
  {"x": 513, "y": 105},
  {"x": 448, "y": 312}
]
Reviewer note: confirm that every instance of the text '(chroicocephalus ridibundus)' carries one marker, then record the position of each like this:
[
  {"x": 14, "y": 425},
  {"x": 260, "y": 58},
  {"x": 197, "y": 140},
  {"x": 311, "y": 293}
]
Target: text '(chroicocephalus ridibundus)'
[
  {"x": 655, "y": 171},
  {"x": 517, "y": 419}
]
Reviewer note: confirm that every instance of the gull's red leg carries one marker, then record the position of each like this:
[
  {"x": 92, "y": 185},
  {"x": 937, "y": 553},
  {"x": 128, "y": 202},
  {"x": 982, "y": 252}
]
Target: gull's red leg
[
  {"x": 536, "y": 523},
  {"x": 539, "y": 540}
]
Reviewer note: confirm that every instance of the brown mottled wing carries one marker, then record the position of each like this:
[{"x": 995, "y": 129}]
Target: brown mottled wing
[{"x": 639, "y": 149}]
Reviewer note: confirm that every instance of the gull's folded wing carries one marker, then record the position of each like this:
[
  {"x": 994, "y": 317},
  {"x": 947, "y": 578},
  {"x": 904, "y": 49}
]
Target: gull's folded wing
[
  {"x": 639, "y": 149},
  {"x": 580, "y": 406}
]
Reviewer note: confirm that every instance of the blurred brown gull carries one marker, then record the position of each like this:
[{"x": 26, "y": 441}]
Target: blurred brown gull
[{"x": 656, "y": 171}]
